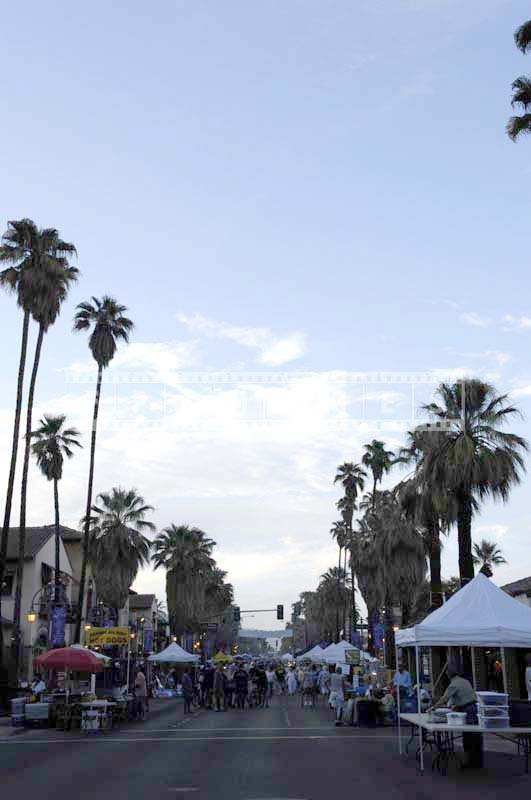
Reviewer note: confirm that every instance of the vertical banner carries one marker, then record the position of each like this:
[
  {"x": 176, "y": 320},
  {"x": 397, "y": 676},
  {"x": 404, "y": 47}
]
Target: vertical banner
[
  {"x": 58, "y": 626},
  {"x": 148, "y": 640},
  {"x": 379, "y": 635}
]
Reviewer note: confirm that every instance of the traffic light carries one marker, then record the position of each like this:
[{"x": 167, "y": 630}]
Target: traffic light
[
  {"x": 280, "y": 612},
  {"x": 236, "y": 613}
]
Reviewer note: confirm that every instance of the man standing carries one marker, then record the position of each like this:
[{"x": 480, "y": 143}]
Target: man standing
[
  {"x": 402, "y": 681},
  {"x": 337, "y": 693},
  {"x": 188, "y": 691},
  {"x": 219, "y": 688},
  {"x": 261, "y": 684},
  {"x": 141, "y": 693},
  {"x": 241, "y": 684},
  {"x": 460, "y": 696}
]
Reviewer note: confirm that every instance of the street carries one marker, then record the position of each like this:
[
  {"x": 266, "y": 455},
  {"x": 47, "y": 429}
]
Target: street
[{"x": 280, "y": 752}]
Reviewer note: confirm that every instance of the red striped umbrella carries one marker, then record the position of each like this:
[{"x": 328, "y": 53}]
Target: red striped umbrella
[{"x": 73, "y": 658}]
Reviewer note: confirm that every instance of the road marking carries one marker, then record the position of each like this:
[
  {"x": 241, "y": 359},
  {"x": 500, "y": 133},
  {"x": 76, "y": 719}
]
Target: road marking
[
  {"x": 112, "y": 740},
  {"x": 183, "y": 789}
]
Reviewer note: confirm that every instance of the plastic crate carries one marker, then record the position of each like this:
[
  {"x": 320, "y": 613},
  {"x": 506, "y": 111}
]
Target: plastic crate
[
  {"x": 494, "y": 722},
  {"x": 492, "y": 699},
  {"x": 493, "y": 711}
]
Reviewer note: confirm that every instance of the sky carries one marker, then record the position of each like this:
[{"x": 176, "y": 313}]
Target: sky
[{"x": 313, "y": 214}]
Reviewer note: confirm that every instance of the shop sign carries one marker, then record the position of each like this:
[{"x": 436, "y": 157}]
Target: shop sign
[{"x": 99, "y": 637}]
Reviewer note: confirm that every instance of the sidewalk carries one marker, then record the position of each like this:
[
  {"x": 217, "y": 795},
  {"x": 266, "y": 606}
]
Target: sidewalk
[{"x": 157, "y": 708}]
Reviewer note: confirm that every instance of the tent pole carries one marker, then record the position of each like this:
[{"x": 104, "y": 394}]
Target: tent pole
[
  {"x": 398, "y": 706},
  {"x": 421, "y": 747},
  {"x": 128, "y": 663},
  {"x": 504, "y": 668},
  {"x": 472, "y": 654}
]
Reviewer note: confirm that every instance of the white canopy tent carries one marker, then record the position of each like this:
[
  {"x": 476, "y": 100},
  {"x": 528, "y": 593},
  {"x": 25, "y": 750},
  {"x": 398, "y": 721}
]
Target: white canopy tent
[
  {"x": 478, "y": 615},
  {"x": 174, "y": 654},
  {"x": 315, "y": 654},
  {"x": 335, "y": 653},
  {"x": 103, "y": 658}
]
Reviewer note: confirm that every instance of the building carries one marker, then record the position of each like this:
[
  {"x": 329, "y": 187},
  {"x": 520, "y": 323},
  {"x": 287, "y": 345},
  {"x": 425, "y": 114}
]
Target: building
[
  {"x": 37, "y": 585},
  {"x": 143, "y": 620},
  {"x": 520, "y": 590}
]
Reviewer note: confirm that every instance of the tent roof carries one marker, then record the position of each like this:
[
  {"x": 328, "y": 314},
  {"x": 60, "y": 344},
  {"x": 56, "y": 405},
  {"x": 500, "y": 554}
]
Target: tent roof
[
  {"x": 335, "y": 653},
  {"x": 174, "y": 654},
  {"x": 478, "y": 615},
  {"x": 315, "y": 652}
]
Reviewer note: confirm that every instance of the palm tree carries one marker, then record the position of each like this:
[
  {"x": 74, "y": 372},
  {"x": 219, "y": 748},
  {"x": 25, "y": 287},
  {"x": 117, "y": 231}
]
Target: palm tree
[
  {"x": 476, "y": 459},
  {"x": 51, "y": 443},
  {"x": 339, "y": 532},
  {"x": 108, "y": 323},
  {"x": 31, "y": 255},
  {"x": 117, "y": 545},
  {"x": 49, "y": 287},
  {"x": 379, "y": 461},
  {"x": 352, "y": 478},
  {"x": 521, "y": 87},
  {"x": 186, "y": 554},
  {"x": 333, "y": 595},
  {"x": 489, "y": 555}
]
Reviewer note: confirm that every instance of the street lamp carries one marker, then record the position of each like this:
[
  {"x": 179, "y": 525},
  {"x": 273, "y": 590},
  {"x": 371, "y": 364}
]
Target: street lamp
[{"x": 31, "y": 616}]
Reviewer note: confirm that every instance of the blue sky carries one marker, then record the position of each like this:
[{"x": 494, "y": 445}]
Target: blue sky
[{"x": 314, "y": 187}]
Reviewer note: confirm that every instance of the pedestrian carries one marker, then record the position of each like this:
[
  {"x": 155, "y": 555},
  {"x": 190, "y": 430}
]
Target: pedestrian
[
  {"x": 337, "y": 693},
  {"x": 271, "y": 680},
  {"x": 241, "y": 685},
  {"x": 323, "y": 680},
  {"x": 280, "y": 674},
  {"x": 460, "y": 696},
  {"x": 188, "y": 691},
  {"x": 261, "y": 684},
  {"x": 402, "y": 681},
  {"x": 292, "y": 682},
  {"x": 219, "y": 688},
  {"x": 229, "y": 687},
  {"x": 208, "y": 685},
  {"x": 141, "y": 693}
]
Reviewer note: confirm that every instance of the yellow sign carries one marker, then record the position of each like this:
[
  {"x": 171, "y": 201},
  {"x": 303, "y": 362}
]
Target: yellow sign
[{"x": 96, "y": 637}]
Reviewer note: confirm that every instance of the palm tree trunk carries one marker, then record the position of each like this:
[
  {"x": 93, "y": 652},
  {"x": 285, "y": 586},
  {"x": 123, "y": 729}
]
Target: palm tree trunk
[
  {"x": 353, "y": 596},
  {"x": 12, "y": 466},
  {"x": 86, "y": 530},
  {"x": 57, "y": 541},
  {"x": 338, "y": 629},
  {"x": 373, "y": 494},
  {"x": 346, "y": 594},
  {"x": 17, "y": 644},
  {"x": 435, "y": 564},
  {"x": 464, "y": 535}
]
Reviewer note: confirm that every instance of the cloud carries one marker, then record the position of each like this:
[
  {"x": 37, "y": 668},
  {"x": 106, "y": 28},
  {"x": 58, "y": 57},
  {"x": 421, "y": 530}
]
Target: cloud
[
  {"x": 273, "y": 350},
  {"x": 154, "y": 360},
  {"x": 512, "y": 323},
  {"x": 492, "y": 530},
  {"x": 497, "y": 356},
  {"x": 474, "y": 319}
]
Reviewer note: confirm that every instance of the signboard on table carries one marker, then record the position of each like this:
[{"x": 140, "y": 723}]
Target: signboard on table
[
  {"x": 99, "y": 637},
  {"x": 352, "y": 657}
]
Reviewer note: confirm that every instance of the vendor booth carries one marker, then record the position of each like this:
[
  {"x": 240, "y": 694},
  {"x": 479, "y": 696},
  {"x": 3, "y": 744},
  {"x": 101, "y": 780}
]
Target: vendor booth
[
  {"x": 315, "y": 655},
  {"x": 174, "y": 654},
  {"x": 480, "y": 615}
]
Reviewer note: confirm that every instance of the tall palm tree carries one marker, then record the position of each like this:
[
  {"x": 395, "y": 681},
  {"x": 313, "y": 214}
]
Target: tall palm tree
[
  {"x": 186, "y": 554},
  {"x": 51, "y": 443},
  {"x": 521, "y": 87},
  {"x": 117, "y": 545},
  {"x": 352, "y": 478},
  {"x": 477, "y": 459},
  {"x": 48, "y": 292},
  {"x": 489, "y": 555},
  {"x": 31, "y": 255},
  {"x": 339, "y": 532},
  {"x": 108, "y": 323},
  {"x": 379, "y": 461}
]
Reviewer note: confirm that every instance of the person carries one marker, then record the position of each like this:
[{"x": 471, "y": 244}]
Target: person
[
  {"x": 141, "y": 693},
  {"x": 219, "y": 688},
  {"x": 241, "y": 684},
  {"x": 460, "y": 696},
  {"x": 323, "y": 680},
  {"x": 337, "y": 693},
  {"x": 309, "y": 683},
  {"x": 38, "y": 686},
  {"x": 387, "y": 707},
  {"x": 280, "y": 674},
  {"x": 402, "y": 681},
  {"x": 292, "y": 681},
  {"x": 271, "y": 680},
  {"x": 528, "y": 676},
  {"x": 208, "y": 685},
  {"x": 261, "y": 684},
  {"x": 229, "y": 686},
  {"x": 188, "y": 691}
]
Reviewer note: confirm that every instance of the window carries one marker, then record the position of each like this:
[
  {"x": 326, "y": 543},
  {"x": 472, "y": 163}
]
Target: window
[
  {"x": 46, "y": 574},
  {"x": 7, "y": 585}
]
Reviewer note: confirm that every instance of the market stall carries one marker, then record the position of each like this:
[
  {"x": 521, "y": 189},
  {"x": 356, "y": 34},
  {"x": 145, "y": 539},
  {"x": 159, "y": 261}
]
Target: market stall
[
  {"x": 479, "y": 615},
  {"x": 174, "y": 654},
  {"x": 315, "y": 655}
]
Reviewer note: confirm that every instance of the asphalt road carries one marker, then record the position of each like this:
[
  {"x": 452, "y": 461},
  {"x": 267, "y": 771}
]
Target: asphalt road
[{"x": 265, "y": 754}]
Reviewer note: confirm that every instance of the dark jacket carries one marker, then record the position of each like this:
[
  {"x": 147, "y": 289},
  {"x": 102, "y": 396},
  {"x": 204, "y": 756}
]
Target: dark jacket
[{"x": 241, "y": 681}]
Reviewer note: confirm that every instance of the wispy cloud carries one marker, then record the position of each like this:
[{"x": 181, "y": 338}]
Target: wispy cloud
[
  {"x": 489, "y": 356},
  {"x": 273, "y": 350},
  {"x": 512, "y": 323},
  {"x": 492, "y": 530},
  {"x": 474, "y": 319}
]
